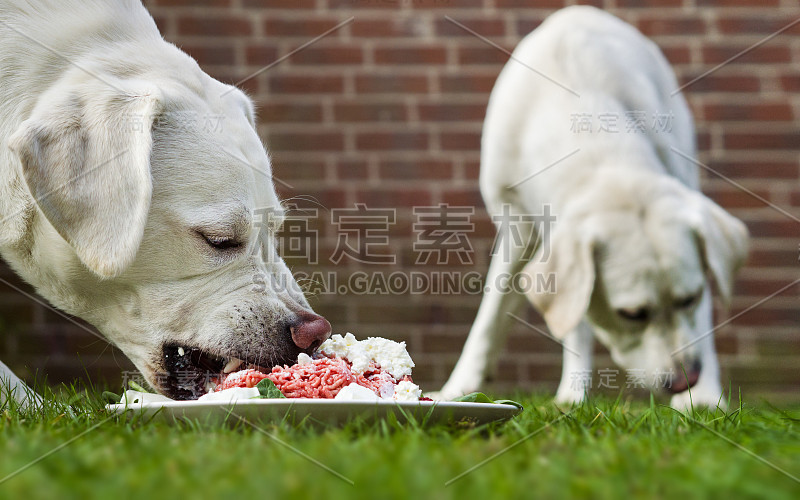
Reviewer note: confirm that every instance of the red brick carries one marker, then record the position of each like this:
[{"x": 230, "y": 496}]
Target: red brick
[
  {"x": 465, "y": 141},
  {"x": 311, "y": 141},
  {"x": 703, "y": 140},
  {"x": 482, "y": 55},
  {"x": 209, "y": 54},
  {"x": 468, "y": 83},
  {"x": 306, "y": 84},
  {"x": 730, "y": 197},
  {"x": 679, "y": 54},
  {"x": 277, "y": 112},
  {"x": 526, "y": 4},
  {"x": 722, "y": 83},
  {"x": 766, "y": 315},
  {"x": 482, "y": 26},
  {"x": 472, "y": 169},
  {"x": 361, "y": 111},
  {"x": 441, "y": 342},
  {"x": 759, "y": 169},
  {"x": 526, "y": 25},
  {"x": 765, "y": 54},
  {"x": 193, "y": 3},
  {"x": 419, "y": 169},
  {"x": 329, "y": 55},
  {"x": 218, "y": 25},
  {"x": 417, "y": 55},
  {"x": 756, "y": 25},
  {"x": 762, "y": 140},
  {"x": 738, "y": 3},
  {"x": 280, "y": 4},
  {"x": 161, "y": 23},
  {"x": 261, "y": 54},
  {"x": 383, "y": 28},
  {"x": 649, "y": 3},
  {"x": 403, "y": 84},
  {"x": 444, "y": 4},
  {"x": 401, "y": 141},
  {"x": 786, "y": 256},
  {"x": 759, "y": 286},
  {"x": 364, "y": 4},
  {"x": 431, "y": 112},
  {"x": 328, "y": 198},
  {"x": 298, "y": 170},
  {"x": 783, "y": 228},
  {"x": 389, "y": 198},
  {"x": 791, "y": 82},
  {"x": 463, "y": 197},
  {"x": 678, "y": 25},
  {"x": 354, "y": 169},
  {"x": 305, "y": 28},
  {"x": 747, "y": 111}
]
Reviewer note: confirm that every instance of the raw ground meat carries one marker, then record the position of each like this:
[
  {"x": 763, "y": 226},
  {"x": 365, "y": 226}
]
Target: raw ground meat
[{"x": 321, "y": 378}]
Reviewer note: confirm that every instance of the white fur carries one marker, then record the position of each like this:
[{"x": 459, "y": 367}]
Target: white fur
[
  {"x": 108, "y": 171},
  {"x": 631, "y": 228}
]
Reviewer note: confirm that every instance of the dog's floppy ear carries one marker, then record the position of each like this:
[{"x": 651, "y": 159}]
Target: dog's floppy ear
[
  {"x": 722, "y": 241},
  {"x": 85, "y": 156},
  {"x": 570, "y": 261}
]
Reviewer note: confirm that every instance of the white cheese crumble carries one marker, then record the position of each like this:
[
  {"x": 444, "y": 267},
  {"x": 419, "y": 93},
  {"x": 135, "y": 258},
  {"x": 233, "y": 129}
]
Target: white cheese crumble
[
  {"x": 303, "y": 359},
  {"x": 407, "y": 391},
  {"x": 391, "y": 356},
  {"x": 355, "y": 392}
]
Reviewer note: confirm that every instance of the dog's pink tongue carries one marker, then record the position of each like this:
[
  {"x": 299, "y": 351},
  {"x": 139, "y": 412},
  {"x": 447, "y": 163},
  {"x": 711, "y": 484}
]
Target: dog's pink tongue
[
  {"x": 683, "y": 382},
  {"x": 243, "y": 378}
]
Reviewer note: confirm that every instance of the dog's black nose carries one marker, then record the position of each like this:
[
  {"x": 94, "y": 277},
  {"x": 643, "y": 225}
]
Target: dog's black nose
[{"x": 310, "y": 331}]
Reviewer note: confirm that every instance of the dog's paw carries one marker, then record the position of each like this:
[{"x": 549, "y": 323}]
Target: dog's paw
[
  {"x": 569, "y": 397},
  {"x": 435, "y": 395},
  {"x": 452, "y": 391},
  {"x": 695, "y": 398}
]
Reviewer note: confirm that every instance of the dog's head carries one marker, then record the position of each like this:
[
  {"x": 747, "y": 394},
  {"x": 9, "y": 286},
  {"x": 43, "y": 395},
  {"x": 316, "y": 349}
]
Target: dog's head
[
  {"x": 155, "y": 212},
  {"x": 633, "y": 259}
]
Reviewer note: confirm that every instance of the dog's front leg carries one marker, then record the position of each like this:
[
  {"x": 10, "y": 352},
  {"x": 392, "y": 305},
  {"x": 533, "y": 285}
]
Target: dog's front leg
[
  {"x": 489, "y": 330},
  {"x": 708, "y": 390},
  {"x": 576, "y": 372},
  {"x": 12, "y": 387}
]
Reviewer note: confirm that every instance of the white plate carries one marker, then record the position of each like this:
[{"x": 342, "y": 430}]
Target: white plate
[{"x": 319, "y": 410}]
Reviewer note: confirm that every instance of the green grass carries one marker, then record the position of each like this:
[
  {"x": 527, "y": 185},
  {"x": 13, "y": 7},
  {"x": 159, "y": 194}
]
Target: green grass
[{"x": 603, "y": 449}]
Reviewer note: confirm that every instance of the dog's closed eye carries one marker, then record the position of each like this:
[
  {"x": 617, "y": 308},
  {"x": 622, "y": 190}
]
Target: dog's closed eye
[
  {"x": 686, "y": 302},
  {"x": 638, "y": 314},
  {"x": 221, "y": 243}
]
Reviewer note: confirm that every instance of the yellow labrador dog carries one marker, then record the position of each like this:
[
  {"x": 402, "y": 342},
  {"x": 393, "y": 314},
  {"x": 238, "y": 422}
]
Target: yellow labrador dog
[
  {"x": 585, "y": 121},
  {"x": 128, "y": 183}
]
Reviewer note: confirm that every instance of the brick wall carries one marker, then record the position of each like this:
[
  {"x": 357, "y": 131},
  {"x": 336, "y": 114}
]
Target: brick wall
[{"x": 387, "y": 111}]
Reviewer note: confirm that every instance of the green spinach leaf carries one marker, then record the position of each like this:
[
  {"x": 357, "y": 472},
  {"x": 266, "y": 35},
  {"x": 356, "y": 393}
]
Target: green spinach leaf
[{"x": 268, "y": 390}]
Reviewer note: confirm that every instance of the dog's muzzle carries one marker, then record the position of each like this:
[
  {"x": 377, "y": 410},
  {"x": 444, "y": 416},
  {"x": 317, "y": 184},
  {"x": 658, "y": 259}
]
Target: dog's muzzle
[{"x": 685, "y": 378}]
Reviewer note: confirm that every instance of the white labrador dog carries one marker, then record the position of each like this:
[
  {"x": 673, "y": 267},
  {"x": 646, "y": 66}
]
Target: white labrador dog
[
  {"x": 121, "y": 205},
  {"x": 633, "y": 240}
]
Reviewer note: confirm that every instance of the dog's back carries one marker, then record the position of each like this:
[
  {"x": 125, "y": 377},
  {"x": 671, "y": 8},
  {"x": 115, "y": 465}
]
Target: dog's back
[{"x": 582, "y": 64}]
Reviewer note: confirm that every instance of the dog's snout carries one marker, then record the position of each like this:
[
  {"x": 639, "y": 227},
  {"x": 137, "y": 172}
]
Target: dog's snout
[
  {"x": 310, "y": 331},
  {"x": 685, "y": 378}
]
